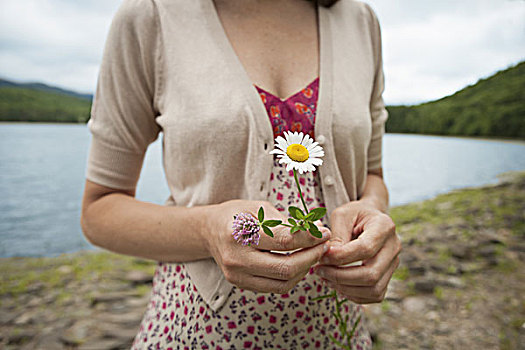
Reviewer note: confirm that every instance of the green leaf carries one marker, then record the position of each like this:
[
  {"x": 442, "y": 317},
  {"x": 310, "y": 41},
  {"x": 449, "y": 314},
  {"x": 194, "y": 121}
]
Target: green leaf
[
  {"x": 292, "y": 221},
  {"x": 306, "y": 225},
  {"x": 272, "y": 223},
  {"x": 332, "y": 338},
  {"x": 318, "y": 213},
  {"x": 314, "y": 231},
  {"x": 267, "y": 231},
  {"x": 295, "y": 229},
  {"x": 296, "y": 213},
  {"x": 322, "y": 297},
  {"x": 260, "y": 215},
  {"x": 355, "y": 326}
]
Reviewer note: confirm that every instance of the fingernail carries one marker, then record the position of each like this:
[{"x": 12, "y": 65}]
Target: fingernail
[{"x": 326, "y": 234}]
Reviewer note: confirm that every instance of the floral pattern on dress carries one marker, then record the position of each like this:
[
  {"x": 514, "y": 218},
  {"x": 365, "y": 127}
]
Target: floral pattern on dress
[
  {"x": 178, "y": 318},
  {"x": 295, "y": 113}
]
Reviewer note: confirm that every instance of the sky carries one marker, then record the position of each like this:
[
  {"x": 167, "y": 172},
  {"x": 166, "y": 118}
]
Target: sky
[{"x": 430, "y": 48}]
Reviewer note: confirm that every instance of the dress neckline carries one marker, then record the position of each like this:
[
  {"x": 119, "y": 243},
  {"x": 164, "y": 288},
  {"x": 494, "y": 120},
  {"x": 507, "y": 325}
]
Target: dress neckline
[{"x": 289, "y": 97}]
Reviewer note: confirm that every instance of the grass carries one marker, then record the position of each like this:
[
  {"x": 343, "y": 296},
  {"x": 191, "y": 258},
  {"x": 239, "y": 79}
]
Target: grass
[{"x": 19, "y": 275}]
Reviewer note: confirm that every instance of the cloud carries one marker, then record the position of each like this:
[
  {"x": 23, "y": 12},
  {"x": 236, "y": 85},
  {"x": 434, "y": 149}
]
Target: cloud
[
  {"x": 431, "y": 48},
  {"x": 55, "y": 41}
]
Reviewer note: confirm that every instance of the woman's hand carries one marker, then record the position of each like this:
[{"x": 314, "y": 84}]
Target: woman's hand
[
  {"x": 256, "y": 268},
  {"x": 360, "y": 232}
]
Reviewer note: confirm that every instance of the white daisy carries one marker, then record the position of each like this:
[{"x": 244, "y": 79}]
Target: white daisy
[{"x": 298, "y": 152}]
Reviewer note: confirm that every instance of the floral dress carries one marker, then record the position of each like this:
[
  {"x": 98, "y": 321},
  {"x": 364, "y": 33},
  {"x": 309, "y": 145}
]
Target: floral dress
[{"x": 178, "y": 318}]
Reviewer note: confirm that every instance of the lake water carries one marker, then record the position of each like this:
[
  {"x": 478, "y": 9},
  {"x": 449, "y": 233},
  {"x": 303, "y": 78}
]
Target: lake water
[{"x": 42, "y": 174}]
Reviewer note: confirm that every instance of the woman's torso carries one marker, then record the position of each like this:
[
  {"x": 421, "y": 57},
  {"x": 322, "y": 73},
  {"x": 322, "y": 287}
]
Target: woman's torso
[
  {"x": 195, "y": 84},
  {"x": 178, "y": 317}
]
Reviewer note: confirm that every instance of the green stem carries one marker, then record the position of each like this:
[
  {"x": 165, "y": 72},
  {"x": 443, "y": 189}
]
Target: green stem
[
  {"x": 343, "y": 325},
  {"x": 300, "y": 192}
]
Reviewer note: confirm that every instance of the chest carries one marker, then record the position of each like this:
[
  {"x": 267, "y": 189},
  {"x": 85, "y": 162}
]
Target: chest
[{"x": 275, "y": 41}]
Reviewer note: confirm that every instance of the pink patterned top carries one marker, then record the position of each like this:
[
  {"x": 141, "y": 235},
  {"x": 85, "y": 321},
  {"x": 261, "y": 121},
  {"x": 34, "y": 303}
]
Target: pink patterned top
[
  {"x": 295, "y": 113},
  {"x": 177, "y": 316}
]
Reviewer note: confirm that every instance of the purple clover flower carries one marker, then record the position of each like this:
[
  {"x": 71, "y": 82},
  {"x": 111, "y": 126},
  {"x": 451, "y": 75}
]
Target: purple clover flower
[{"x": 246, "y": 229}]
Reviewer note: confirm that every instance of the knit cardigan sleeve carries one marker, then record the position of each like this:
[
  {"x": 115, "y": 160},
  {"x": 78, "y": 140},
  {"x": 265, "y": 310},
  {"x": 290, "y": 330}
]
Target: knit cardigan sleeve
[
  {"x": 377, "y": 106},
  {"x": 123, "y": 114}
]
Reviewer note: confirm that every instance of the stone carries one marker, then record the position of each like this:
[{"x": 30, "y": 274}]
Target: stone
[
  {"x": 470, "y": 267},
  {"x": 444, "y": 206},
  {"x": 394, "y": 310},
  {"x": 453, "y": 282},
  {"x": 491, "y": 237},
  {"x": 414, "y": 304},
  {"x": 21, "y": 337},
  {"x": 403, "y": 332},
  {"x": 35, "y": 301},
  {"x": 106, "y": 344},
  {"x": 26, "y": 317},
  {"x": 487, "y": 251},
  {"x": 442, "y": 329},
  {"x": 409, "y": 257},
  {"x": 65, "y": 269},
  {"x": 49, "y": 342},
  {"x": 110, "y": 297},
  {"x": 426, "y": 285},
  {"x": 461, "y": 251},
  {"x": 76, "y": 334},
  {"x": 432, "y": 316},
  {"x": 49, "y": 298},
  {"x": 138, "y": 302},
  {"x": 35, "y": 287},
  {"x": 394, "y": 291},
  {"x": 7, "y": 317},
  {"x": 137, "y": 277},
  {"x": 417, "y": 269},
  {"x": 118, "y": 332},
  {"x": 129, "y": 319}
]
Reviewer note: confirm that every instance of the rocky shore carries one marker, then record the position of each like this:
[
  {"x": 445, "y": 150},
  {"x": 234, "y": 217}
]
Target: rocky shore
[{"x": 460, "y": 284}]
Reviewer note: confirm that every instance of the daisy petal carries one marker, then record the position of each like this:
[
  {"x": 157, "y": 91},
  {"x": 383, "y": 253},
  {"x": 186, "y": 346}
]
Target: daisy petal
[
  {"x": 277, "y": 151},
  {"x": 316, "y": 161},
  {"x": 317, "y": 154},
  {"x": 308, "y": 142},
  {"x": 313, "y": 146}
]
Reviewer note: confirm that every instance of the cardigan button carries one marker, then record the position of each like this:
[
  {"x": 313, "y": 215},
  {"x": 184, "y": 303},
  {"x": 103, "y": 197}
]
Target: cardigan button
[
  {"x": 329, "y": 181},
  {"x": 321, "y": 139}
]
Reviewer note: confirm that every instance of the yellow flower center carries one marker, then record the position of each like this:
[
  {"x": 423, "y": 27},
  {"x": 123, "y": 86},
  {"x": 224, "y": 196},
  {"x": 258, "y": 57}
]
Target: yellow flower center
[{"x": 297, "y": 152}]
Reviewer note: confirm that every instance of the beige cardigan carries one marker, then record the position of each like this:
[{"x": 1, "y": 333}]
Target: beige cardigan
[{"x": 168, "y": 66}]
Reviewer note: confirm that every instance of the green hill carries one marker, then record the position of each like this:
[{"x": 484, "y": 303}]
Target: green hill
[
  {"x": 494, "y": 106},
  {"x": 41, "y": 103}
]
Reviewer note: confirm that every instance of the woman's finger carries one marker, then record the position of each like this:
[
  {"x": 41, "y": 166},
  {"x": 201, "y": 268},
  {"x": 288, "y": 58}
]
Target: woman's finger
[
  {"x": 366, "y": 275},
  {"x": 366, "y": 246},
  {"x": 283, "y": 240},
  {"x": 373, "y": 293},
  {"x": 280, "y": 266}
]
